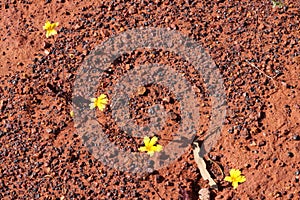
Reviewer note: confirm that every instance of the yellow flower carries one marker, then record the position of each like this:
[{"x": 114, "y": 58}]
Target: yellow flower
[
  {"x": 50, "y": 28},
  {"x": 149, "y": 146},
  {"x": 235, "y": 178},
  {"x": 99, "y": 102}
]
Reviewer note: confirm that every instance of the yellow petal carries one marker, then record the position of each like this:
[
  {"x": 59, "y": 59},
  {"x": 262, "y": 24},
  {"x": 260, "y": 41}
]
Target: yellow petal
[
  {"x": 93, "y": 99},
  {"x": 234, "y": 173},
  {"x": 153, "y": 141},
  {"x": 104, "y": 101},
  {"x": 235, "y": 185},
  {"x": 146, "y": 141},
  {"x": 241, "y": 179},
  {"x": 46, "y": 26},
  {"x": 47, "y": 34},
  {"x": 151, "y": 153},
  {"x": 52, "y": 32},
  {"x": 101, "y": 106},
  {"x": 102, "y": 96},
  {"x": 142, "y": 149},
  {"x": 92, "y": 106},
  {"x": 228, "y": 178},
  {"x": 157, "y": 148}
]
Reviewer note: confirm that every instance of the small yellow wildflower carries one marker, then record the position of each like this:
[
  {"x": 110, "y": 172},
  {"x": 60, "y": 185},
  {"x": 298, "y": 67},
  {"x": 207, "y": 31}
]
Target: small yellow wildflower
[
  {"x": 149, "y": 146},
  {"x": 235, "y": 178},
  {"x": 50, "y": 28},
  {"x": 99, "y": 102}
]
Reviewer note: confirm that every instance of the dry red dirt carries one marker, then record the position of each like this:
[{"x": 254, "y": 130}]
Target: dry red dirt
[{"x": 255, "y": 46}]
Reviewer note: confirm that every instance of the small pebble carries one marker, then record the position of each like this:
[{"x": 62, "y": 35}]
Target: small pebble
[
  {"x": 48, "y": 130},
  {"x": 296, "y": 137},
  {"x": 290, "y": 154}
]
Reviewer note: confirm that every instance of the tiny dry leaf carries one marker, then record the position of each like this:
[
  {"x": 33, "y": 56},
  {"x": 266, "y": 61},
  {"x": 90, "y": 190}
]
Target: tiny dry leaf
[
  {"x": 202, "y": 167},
  {"x": 204, "y": 194}
]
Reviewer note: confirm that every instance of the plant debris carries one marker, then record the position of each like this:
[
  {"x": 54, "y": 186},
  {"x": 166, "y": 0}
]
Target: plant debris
[{"x": 202, "y": 167}]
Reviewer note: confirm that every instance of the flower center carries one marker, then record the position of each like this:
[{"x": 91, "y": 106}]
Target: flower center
[
  {"x": 234, "y": 179},
  {"x": 148, "y": 147}
]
